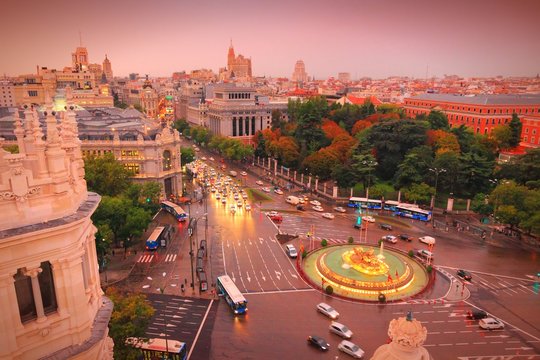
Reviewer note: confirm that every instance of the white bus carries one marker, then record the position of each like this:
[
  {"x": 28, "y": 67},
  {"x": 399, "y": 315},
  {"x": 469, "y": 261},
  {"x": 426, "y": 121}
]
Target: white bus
[{"x": 233, "y": 296}]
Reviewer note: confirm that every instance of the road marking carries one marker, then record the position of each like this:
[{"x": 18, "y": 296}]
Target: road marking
[
  {"x": 223, "y": 256},
  {"x": 462, "y": 343},
  {"x": 278, "y": 274},
  {"x": 200, "y": 329},
  {"x": 262, "y": 275},
  {"x": 293, "y": 275},
  {"x": 527, "y": 288},
  {"x": 247, "y": 276}
]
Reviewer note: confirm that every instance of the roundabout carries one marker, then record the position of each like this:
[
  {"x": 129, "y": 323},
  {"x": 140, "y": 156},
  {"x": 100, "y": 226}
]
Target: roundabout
[{"x": 364, "y": 272}]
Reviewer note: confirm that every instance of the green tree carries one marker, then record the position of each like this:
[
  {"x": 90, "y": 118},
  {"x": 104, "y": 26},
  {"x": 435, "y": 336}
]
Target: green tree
[
  {"x": 502, "y": 135},
  {"x": 187, "y": 155},
  {"x": 475, "y": 171},
  {"x": 480, "y": 205},
  {"x": 414, "y": 167},
  {"x": 136, "y": 221},
  {"x": 112, "y": 211},
  {"x": 465, "y": 137},
  {"x": 277, "y": 123},
  {"x": 515, "y": 126},
  {"x": 438, "y": 120},
  {"x": 105, "y": 175},
  {"x": 364, "y": 166},
  {"x": 117, "y": 103},
  {"x": 180, "y": 125},
  {"x": 380, "y": 190},
  {"x": 151, "y": 192},
  {"x": 130, "y": 317},
  {"x": 138, "y": 108},
  {"x": 524, "y": 169},
  {"x": 419, "y": 193}
]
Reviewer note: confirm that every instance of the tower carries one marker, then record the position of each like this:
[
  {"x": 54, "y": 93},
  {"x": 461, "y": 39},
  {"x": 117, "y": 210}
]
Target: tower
[
  {"x": 107, "y": 69},
  {"x": 53, "y": 305},
  {"x": 230, "y": 57},
  {"x": 79, "y": 59}
]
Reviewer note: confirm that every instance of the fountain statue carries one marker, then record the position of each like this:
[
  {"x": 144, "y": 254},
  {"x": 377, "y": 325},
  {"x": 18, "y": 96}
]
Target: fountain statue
[
  {"x": 365, "y": 261},
  {"x": 407, "y": 335}
]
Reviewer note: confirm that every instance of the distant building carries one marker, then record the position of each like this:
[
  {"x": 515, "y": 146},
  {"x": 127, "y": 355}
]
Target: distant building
[
  {"x": 149, "y": 99},
  {"x": 7, "y": 94},
  {"x": 107, "y": 69},
  {"x": 239, "y": 112},
  {"x": 482, "y": 113},
  {"x": 344, "y": 77},
  {"x": 238, "y": 67},
  {"x": 299, "y": 75},
  {"x": 52, "y": 302}
]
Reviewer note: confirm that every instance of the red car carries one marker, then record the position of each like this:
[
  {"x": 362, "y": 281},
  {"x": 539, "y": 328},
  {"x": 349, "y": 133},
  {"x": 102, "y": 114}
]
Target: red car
[{"x": 276, "y": 218}]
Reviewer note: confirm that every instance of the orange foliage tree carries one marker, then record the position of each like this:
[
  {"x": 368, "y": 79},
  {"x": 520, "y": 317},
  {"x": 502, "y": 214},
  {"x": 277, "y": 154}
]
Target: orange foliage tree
[{"x": 442, "y": 141}]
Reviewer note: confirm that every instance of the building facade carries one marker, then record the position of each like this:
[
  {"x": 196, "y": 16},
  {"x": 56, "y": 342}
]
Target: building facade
[
  {"x": 149, "y": 99},
  {"x": 238, "y": 67},
  {"x": 52, "y": 303},
  {"x": 238, "y": 112},
  {"x": 7, "y": 94},
  {"x": 107, "y": 69},
  {"x": 482, "y": 113},
  {"x": 299, "y": 75}
]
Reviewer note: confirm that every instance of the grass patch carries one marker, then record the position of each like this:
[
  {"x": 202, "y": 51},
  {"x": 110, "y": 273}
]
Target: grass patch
[{"x": 257, "y": 196}]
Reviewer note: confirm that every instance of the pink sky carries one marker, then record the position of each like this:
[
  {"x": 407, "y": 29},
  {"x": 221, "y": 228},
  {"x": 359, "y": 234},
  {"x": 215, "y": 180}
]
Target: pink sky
[{"x": 375, "y": 38}]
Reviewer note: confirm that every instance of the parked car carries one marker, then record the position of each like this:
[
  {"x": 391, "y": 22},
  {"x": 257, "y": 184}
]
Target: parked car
[
  {"x": 425, "y": 254},
  {"x": 328, "y": 216},
  {"x": 318, "y": 342},
  {"x": 490, "y": 323},
  {"x": 340, "y": 330},
  {"x": 327, "y": 310},
  {"x": 300, "y": 207},
  {"x": 278, "y": 191},
  {"x": 315, "y": 203},
  {"x": 465, "y": 275},
  {"x": 370, "y": 219},
  {"x": 351, "y": 349},
  {"x": 291, "y": 251},
  {"x": 476, "y": 314},
  {"x": 384, "y": 226},
  {"x": 389, "y": 238},
  {"x": 243, "y": 173},
  {"x": 405, "y": 237},
  {"x": 266, "y": 189},
  {"x": 427, "y": 240},
  {"x": 317, "y": 208},
  {"x": 340, "y": 209},
  {"x": 259, "y": 182}
]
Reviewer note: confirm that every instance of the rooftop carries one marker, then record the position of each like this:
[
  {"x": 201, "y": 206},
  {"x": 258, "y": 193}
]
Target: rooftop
[{"x": 504, "y": 99}]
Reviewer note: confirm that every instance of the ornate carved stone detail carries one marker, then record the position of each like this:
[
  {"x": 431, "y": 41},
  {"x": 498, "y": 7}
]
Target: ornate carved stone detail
[
  {"x": 8, "y": 195},
  {"x": 408, "y": 333}
]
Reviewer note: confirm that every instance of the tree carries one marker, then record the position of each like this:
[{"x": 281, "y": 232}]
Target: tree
[
  {"x": 419, "y": 192},
  {"x": 502, "y": 135},
  {"x": 524, "y": 169},
  {"x": 465, "y": 137},
  {"x": 380, "y": 190},
  {"x": 130, "y": 317},
  {"x": 180, "y": 125},
  {"x": 443, "y": 141},
  {"x": 474, "y": 174},
  {"x": 364, "y": 166},
  {"x": 151, "y": 192},
  {"x": 414, "y": 167},
  {"x": 515, "y": 126},
  {"x": 187, "y": 155},
  {"x": 105, "y": 175},
  {"x": 138, "y": 108},
  {"x": 136, "y": 221},
  {"x": 480, "y": 205},
  {"x": 322, "y": 162},
  {"x": 438, "y": 120},
  {"x": 277, "y": 122}
]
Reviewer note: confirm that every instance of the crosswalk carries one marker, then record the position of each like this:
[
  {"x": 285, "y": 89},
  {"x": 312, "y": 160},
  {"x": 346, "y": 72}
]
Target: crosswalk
[{"x": 146, "y": 258}]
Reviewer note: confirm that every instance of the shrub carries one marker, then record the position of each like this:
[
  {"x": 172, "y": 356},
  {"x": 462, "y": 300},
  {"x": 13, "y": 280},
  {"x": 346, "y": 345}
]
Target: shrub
[
  {"x": 304, "y": 254},
  {"x": 324, "y": 242},
  {"x": 429, "y": 269},
  {"x": 411, "y": 253},
  {"x": 351, "y": 240},
  {"x": 382, "y": 298},
  {"x": 329, "y": 290}
]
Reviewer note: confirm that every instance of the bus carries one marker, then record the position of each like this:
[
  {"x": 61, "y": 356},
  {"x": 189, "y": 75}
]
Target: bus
[
  {"x": 364, "y": 203},
  {"x": 175, "y": 210},
  {"x": 390, "y": 205},
  {"x": 158, "y": 349},
  {"x": 233, "y": 296},
  {"x": 412, "y": 212},
  {"x": 154, "y": 240}
]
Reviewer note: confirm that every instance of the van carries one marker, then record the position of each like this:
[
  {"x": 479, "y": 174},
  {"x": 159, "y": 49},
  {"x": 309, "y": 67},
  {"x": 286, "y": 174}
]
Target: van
[
  {"x": 425, "y": 254},
  {"x": 291, "y": 251},
  {"x": 293, "y": 200}
]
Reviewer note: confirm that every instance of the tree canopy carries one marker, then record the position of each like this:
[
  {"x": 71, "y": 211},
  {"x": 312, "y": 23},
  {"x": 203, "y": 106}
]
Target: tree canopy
[{"x": 105, "y": 175}]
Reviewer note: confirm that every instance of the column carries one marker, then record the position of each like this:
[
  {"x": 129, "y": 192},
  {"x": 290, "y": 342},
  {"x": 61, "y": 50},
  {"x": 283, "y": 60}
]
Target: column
[
  {"x": 335, "y": 192},
  {"x": 33, "y": 273},
  {"x": 301, "y": 178},
  {"x": 294, "y": 175}
]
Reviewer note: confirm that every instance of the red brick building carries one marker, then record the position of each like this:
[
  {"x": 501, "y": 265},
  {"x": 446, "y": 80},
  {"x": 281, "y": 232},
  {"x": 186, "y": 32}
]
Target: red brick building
[{"x": 482, "y": 113}]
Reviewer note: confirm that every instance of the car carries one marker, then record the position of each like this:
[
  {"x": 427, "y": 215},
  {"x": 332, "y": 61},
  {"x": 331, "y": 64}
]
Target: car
[
  {"x": 211, "y": 159},
  {"x": 476, "y": 314},
  {"x": 317, "y": 208},
  {"x": 340, "y": 209},
  {"x": 276, "y": 218},
  {"x": 405, "y": 237},
  {"x": 384, "y": 226},
  {"x": 243, "y": 173},
  {"x": 247, "y": 207},
  {"x": 340, "y": 330},
  {"x": 315, "y": 203},
  {"x": 427, "y": 240},
  {"x": 239, "y": 203},
  {"x": 465, "y": 275},
  {"x": 318, "y": 342},
  {"x": 301, "y": 200},
  {"x": 223, "y": 200},
  {"x": 327, "y": 310},
  {"x": 300, "y": 207},
  {"x": 266, "y": 189},
  {"x": 490, "y": 323},
  {"x": 291, "y": 251},
  {"x": 259, "y": 182},
  {"x": 203, "y": 158},
  {"x": 359, "y": 226},
  {"x": 425, "y": 254},
  {"x": 278, "y": 191},
  {"x": 368, "y": 218},
  {"x": 389, "y": 238},
  {"x": 328, "y": 216},
  {"x": 218, "y": 196},
  {"x": 236, "y": 197},
  {"x": 244, "y": 196},
  {"x": 272, "y": 213},
  {"x": 351, "y": 349},
  {"x": 233, "y": 209},
  {"x": 197, "y": 149}
]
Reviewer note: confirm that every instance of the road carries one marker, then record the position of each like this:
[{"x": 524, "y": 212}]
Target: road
[{"x": 282, "y": 306}]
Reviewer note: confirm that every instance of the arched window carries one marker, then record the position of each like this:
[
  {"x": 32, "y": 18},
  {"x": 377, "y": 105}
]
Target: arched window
[{"x": 166, "y": 160}]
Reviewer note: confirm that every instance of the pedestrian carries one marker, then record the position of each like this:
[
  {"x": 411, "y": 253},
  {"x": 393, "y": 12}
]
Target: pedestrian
[{"x": 113, "y": 252}]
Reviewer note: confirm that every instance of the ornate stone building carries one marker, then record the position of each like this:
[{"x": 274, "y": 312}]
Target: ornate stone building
[
  {"x": 52, "y": 303},
  {"x": 149, "y": 99},
  {"x": 238, "y": 67}
]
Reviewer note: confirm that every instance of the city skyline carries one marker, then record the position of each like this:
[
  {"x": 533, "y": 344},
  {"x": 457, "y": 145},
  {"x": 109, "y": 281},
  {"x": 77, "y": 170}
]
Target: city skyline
[{"x": 365, "y": 38}]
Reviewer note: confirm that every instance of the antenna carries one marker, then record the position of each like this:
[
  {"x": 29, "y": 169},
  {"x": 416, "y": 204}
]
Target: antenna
[{"x": 80, "y": 38}]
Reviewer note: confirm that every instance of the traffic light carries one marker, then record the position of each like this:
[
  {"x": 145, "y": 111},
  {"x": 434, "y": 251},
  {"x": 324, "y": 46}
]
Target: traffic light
[{"x": 148, "y": 200}]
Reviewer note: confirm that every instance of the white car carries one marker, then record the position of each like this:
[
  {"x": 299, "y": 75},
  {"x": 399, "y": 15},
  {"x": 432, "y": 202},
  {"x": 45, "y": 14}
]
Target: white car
[
  {"x": 233, "y": 209},
  {"x": 328, "y": 216},
  {"x": 203, "y": 158},
  {"x": 278, "y": 191},
  {"x": 490, "y": 324},
  {"x": 266, "y": 189},
  {"x": 317, "y": 208},
  {"x": 244, "y": 196},
  {"x": 259, "y": 182},
  {"x": 247, "y": 207},
  {"x": 291, "y": 251},
  {"x": 239, "y": 203},
  {"x": 389, "y": 238},
  {"x": 223, "y": 200},
  {"x": 327, "y": 310},
  {"x": 340, "y": 209},
  {"x": 370, "y": 219},
  {"x": 425, "y": 254},
  {"x": 243, "y": 173},
  {"x": 272, "y": 213},
  {"x": 218, "y": 196},
  {"x": 211, "y": 159},
  {"x": 427, "y": 240},
  {"x": 340, "y": 329},
  {"x": 315, "y": 203},
  {"x": 351, "y": 349}
]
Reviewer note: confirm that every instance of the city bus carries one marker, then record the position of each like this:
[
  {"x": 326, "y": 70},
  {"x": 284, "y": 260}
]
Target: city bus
[
  {"x": 390, "y": 205},
  {"x": 412, "y": 212},
  {"x": 233, "y": 296},
  {"x": 154, "y": 240},
  {"x": 364, "y": 203},
  {"x": 158, "y": 349},
  {"x": 175, "y": 210}
]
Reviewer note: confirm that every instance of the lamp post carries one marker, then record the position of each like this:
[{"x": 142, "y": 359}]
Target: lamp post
[
  {"x": 166, "y": 324},
  {"x": 437, "y": 171},
  {"x": 370, "y": 164}
]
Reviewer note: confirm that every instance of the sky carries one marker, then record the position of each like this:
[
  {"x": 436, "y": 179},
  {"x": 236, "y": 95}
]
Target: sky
[{"x": 373, "y": 38}]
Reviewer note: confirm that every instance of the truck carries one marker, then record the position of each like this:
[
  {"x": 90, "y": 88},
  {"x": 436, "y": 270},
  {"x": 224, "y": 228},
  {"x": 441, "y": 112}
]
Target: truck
[
  {"x": 293, "y": 200},
  {"x": 233, "y": 173}
]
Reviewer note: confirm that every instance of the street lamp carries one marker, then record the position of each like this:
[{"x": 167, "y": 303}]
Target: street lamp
[
  {"x": 370, "y": 164},
  {"x": 437, "y": 171}
]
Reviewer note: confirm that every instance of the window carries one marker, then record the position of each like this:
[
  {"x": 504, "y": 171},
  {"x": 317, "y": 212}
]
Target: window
[
  {"x": 26, "y": 299},
  {"x": 46, "y": 285},
  {"x": 130, "y": 153},
  {"x": 25, "y": 296},
  {"x": 135, "y": 168},
  {"x": 32, "y": 93}
]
